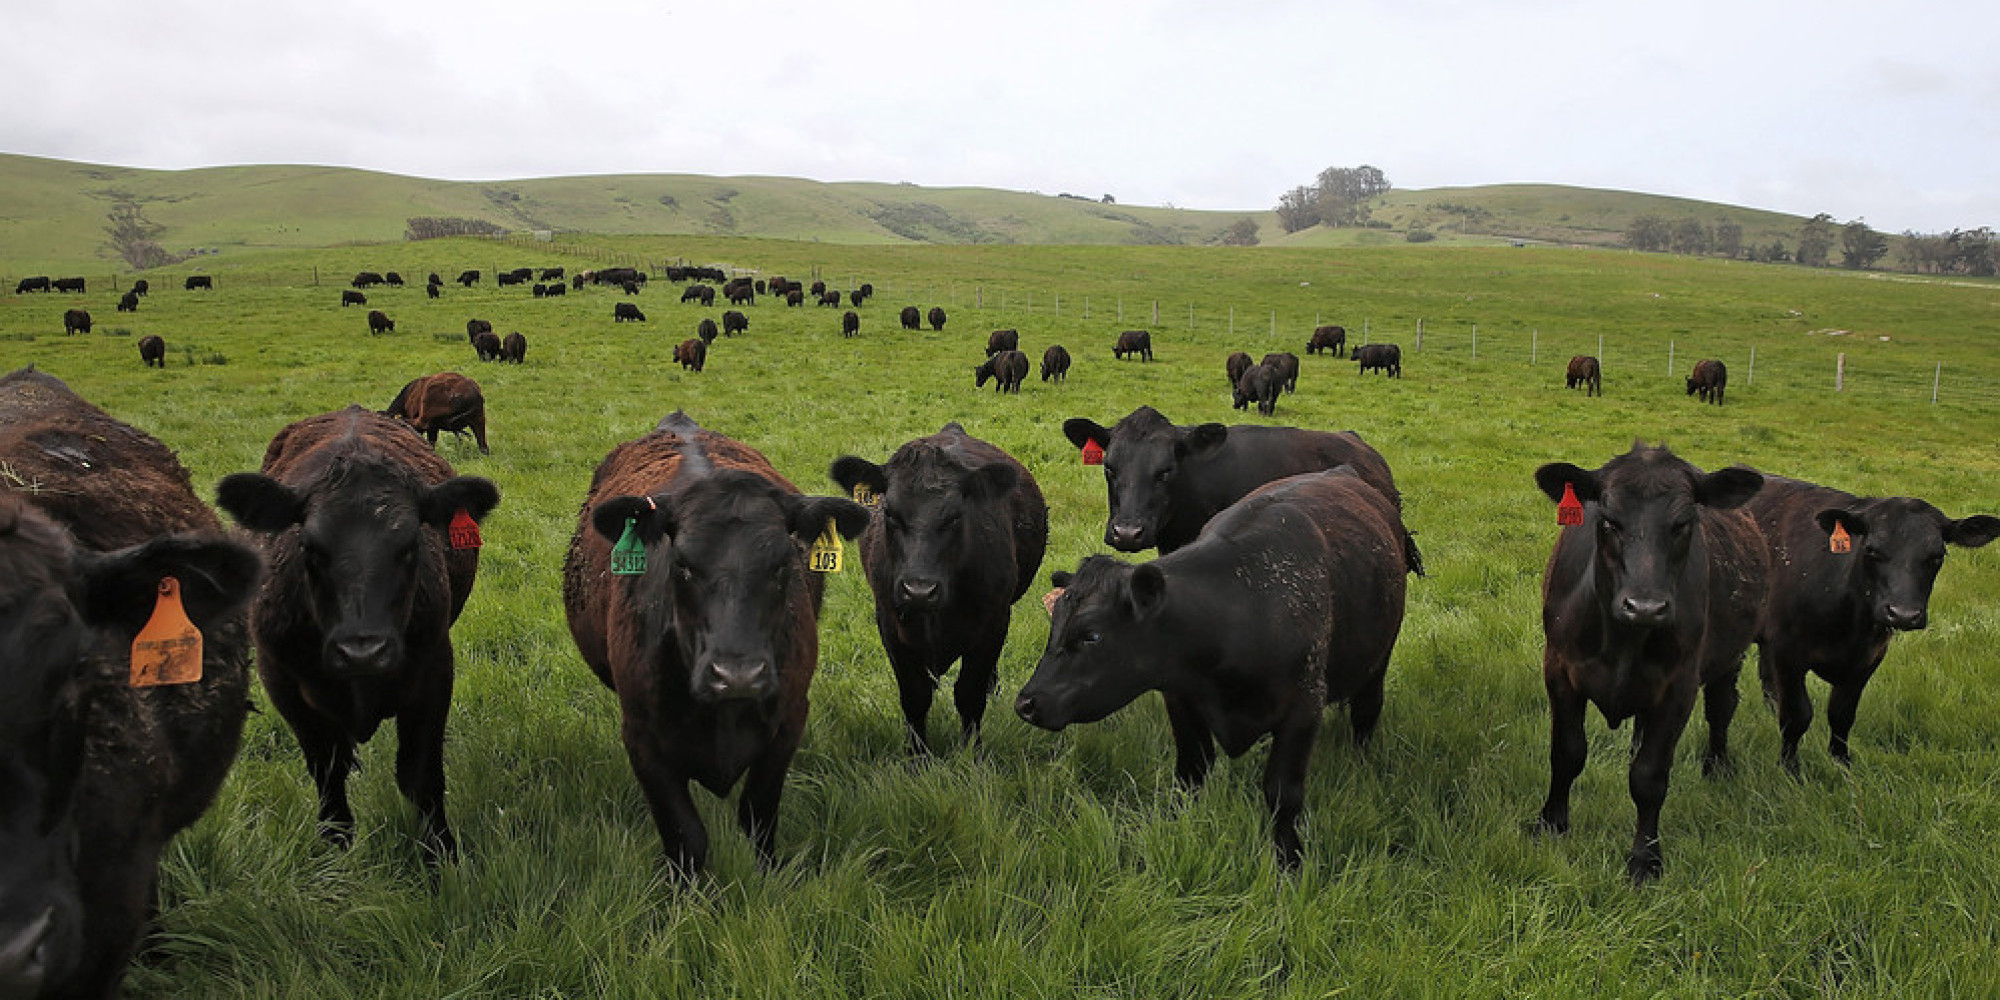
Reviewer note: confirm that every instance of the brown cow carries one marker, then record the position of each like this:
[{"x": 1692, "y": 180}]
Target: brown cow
[
  {"x": 1328, "y": 338},
  {"x": 1710, "y": 377},
  {"x": 379, "y": 322},
  {"x": 1583, "y": 370},
  {"x": 691, "y": 354},
  {"x": 703, "y": 619},
  {"x": 76, "y": 321},
  {"x": 1139, "y": 342},
  {"x": 1236, "y": 364},
  {"x": 446, "y": 401}
]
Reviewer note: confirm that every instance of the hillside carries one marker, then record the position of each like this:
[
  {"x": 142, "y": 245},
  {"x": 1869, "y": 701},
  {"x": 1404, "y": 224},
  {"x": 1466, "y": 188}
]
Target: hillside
[{"x": 53, "y": 213}]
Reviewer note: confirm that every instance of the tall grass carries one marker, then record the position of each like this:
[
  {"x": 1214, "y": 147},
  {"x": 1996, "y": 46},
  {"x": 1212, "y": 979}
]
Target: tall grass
[{"x": 1069, "y": 865}]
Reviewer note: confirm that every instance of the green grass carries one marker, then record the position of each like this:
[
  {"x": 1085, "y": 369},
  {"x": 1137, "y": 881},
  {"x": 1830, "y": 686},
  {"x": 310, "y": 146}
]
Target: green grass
[{"x": 1069, "y": 865}]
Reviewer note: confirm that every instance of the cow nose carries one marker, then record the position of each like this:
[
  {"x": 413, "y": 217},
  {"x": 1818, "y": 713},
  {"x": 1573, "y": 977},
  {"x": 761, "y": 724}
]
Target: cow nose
[
  {"x": 1643, "y": 610},
  {"x": 1123, "y": 537},
  {"x": 362, "y": 652},
  {"x": 725, "y": 680},
  {"x": 917, "y": 592},
  {"x": 1028, "y": 709},
  {"x": 24, "y": 957},
  {"x": 1904, "y": 618}
]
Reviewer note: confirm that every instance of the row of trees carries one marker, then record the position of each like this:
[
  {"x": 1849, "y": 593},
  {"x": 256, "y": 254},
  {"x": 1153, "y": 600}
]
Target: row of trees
[
  {"x": 1860, "y": 246},
  {"x": 1339, "y": 197}
]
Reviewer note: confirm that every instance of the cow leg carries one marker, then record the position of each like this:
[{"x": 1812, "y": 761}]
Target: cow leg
[
  {"x": 1364, "y": 709},
  {"x": 1194, "y": 748},
  {"x": 479, "y": 431},
  {"x": 329, "y": 755},
  {"x": 1787, "y": 688},
  {"x": 916, "y": 686},
  {"x": 1285, "y": 781},
  {"x": 1718, "y": 705},
  {"x": 978, "y": 673},
  {"x": 1841, "y": 705},
  {"x": 1567, "y": 748},
  {"x": 420, "y": 763},
  {"x": 683, "y": 838},
  {"x": 1655, "y": 735},
  {"x": 757, "y": 810},
  {"x": 431, "y": 435}
]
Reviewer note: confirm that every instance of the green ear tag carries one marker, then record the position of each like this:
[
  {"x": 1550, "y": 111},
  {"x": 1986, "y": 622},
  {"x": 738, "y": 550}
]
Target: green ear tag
[{"x": 628, "y": 557}]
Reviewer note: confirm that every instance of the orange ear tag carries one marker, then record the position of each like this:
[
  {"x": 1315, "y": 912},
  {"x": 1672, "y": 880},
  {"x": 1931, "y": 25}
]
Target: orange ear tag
[
  {"x": 1839, "y": 540},
  {"x": 1569, "y": 510},
  {"x": 168, "y": 649},
  {"x": 1093, "y": 453},
  {"x": 464, "y": 531}
]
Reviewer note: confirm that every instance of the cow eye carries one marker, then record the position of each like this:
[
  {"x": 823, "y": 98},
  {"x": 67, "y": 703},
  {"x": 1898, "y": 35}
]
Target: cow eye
[
  {"x": 684, "y": 572},
  {"x": 1681, "y": 528},
  {"x": 1163, "y": 475},
  {"x": 1609, "y": 526}
]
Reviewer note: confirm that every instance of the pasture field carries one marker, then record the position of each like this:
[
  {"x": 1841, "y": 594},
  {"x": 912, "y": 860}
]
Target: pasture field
[{"x": 1046, "y": 865}]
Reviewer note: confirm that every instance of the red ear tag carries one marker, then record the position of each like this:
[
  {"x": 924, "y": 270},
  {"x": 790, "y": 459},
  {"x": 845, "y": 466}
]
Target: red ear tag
[
  {"x": 1093, "y": 453},
  {"x": 1569, "y": 510},
  {"x": 1839, "y": 540},
  {"x": 464, "y": 531},
  {"x": 168, "y": 649}
]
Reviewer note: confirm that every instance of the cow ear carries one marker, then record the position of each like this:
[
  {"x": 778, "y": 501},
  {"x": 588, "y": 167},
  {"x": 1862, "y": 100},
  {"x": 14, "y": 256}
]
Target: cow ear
[
  {"x": 850, "y": 471},
  {"x": 259, "y": 502},
  {"x": 475, "y": 495},
  {"x": 1080, "y": 430},
  {"x": 1555, "y": 475},
  {"x": 651, "y": 519},
  {"x": 807, "y": 517},
  {"x": 1061, "y": 578},
  {"x": 989, "y": 482},
  {"x": 1844, "y": 517},
  {"x": 119, "y": 588},
  {"x": 1728, "y": 488},
  {"x": 1149, "y": 590},
  {"x": 1973, "y": 532},
  {"x": 1201, "y": 439}
]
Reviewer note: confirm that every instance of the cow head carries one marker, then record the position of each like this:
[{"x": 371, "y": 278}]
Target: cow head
[
  {"x": 1100, "y": 653},
  {"x": 723, "y": 564},
  {"x": 982, "y": 372},
  {"x": 67, "y": 620},
  {"x": 1642, "y": 512},
  {"x": 361, "y": 546},
  {"x": 1896, "y": 547},
  {"x": 934, "y": 509},
  {"x": 1143, "y": 456}
]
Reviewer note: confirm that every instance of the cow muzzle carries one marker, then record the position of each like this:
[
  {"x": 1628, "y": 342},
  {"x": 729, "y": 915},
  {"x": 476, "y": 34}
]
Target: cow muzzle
[
  {"x": 1650, "y": 611},
  {"x": 361, "y": 653},
  {"x": 1125, "y": 537},
  {"x": 735, "y": 679},
  {"x": 1035, "y": 710},
  {"x": 1902, "y": 617},
  {"x": 914, "y": 594}
]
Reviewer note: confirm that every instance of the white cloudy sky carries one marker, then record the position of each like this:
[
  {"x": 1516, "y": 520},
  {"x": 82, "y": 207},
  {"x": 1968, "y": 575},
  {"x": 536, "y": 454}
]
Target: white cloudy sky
[{"x": 1872, "y": 110}]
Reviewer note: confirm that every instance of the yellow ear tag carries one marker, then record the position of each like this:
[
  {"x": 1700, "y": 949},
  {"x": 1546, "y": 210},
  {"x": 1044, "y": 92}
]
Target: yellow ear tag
[
  {"x": 824, "y": 556},
  {"x": 168, "y": 649},
  {"x": 865, "y": 496}
]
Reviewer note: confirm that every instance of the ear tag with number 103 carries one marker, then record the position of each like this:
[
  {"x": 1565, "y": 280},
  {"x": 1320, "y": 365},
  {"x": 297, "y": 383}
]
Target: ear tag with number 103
[{"x": 824, "y": 556}]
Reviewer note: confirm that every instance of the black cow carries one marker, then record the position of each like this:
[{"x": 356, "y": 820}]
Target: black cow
[
  {"x": 1008, "y": 368},
  {"x": 623, "y": 311},
  {"x": 194, "y": 282},
  {"x": 1584, "y": 371},
  {"x": 632, "y": 288},
  {"x": 393, "y": 279},
  {"x": 734, "y": 322},
  {"x": 691, "y": 354},
  {"x": 363, "y": 527},
  {"x": 541, "y": 291},
  {"x": 555, "y": 289},
  {"x": 379, "y": 322},
  {"x": 1332, "y": 339},
  {"x": 129, "y": 302},
  {"x": 795, "y": 296},
  {"x": 515, "y": 277},
  {"x": 76, "y": 321},
  {"x": 350, "y": 297},
  {"x": 141, "y": 287},
  {"x": 1201, "y": 627},
  {"x": 1385, "y": 358},
  {"x": 1286, "y": 365},
  {"x": 1234, "y": 366},
  {"x": 1710, "y": 378},
  {"x": 39, "y": 283},
  {"x": 366, "y": 279},
  {"x": 855, "y": 298},
  {"x": 817, "y": 288},
  {"x": 740, "y": 292},
  {"x": 850, "y": 323},
  {"x": 1650, "y": 600},
  {"x": 1134, "y": 342},
  {"x": 1002, "y": 340},
  {"x": 98, "y": 772},
  {"x": 68, "y": 285},
  {"x": 937, "y": 318},
  {"x": 486, "y": 346},
  {"x": 1260, "y": 384},
  {"x": 867, "y": 291},
  {"x": 708, "y": 634},
  {"x": 1166, "y": 481},
  {"x": 912, "y": 318},
  {"x": 475, "y": 327},
  {"x": 1833, "y": 607},
  {"x": 514, "y": 348},
  {"x": 1055, "y": 363},
  {"x": 431, "y": 291},
  {"x": 468, "y": 278},
  {"x": 830, "y": 299},
  {"x": 956, "y": 542},
  {"x": 434, "y": 279},
  {"x": 153, "y": 351},
  {"x": 552, "y": 274},
  {"x": 706, "y": 331},
  {"x": 704, "y": 294}
]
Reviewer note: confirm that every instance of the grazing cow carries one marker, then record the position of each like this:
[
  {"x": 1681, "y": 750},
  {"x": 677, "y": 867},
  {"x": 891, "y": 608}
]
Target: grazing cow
[
  {"x": 379, "y": 322},
  {"x": 867, "y": 290},
  {"x": 366, "y": 279},
  {"x": 39, "y": 283},
  {"x": 446, "y": 401},
  {"x": 704, "y": 294},
  {"x": 795, "y": 296},
  {"x": 618, "y": 276},
  {"x": 101, "y": 768},
  {"x": 556, "y": 289},
  {"x": 350, "y": 297},
  {"x": 740, "y": 292},
  {"x": 1008, "y": 368},
  {"x": 468, "y": 278},
  {"x": 1833, "y": 607},
  {"x": 475, "y": 327},
  {"x": 850, "y": 323},
  {"x": 541, "y": 291},
  {"x": 1332, "y": 339},
  {"x": 1385, "y": 358},
  {"x": 434, "y": 279},
  {"x": 1165, "y": 481},
  {"x": 1235, "y": 365},
  {"x": 431, "y": 291},
  {"x": 393, "y": 279},
  {"x": 486, "y": 346},
  {"x": 855, "y": 298},
  {"x": 734, "y": 322},
  {"x": 1002, "y": 340},
  {"x": 1055, "y": 363},
  {"x": 505, "y": 278},
  {"x": 580, "y": 279},
  {"x": 912, "y": 318},
  {"x": 1201, "y": 627},
  {"x": 704, "y": 620},
  {"x": 623, "y": 311},
  {"x": 364, "y": 530},
  {"x": 141, "y": 287},
  {"x": 153, "y": 351},
  {"x": 831, "y": 299},
  {"x": 196, "y": 281},
  {"x": 956, "y": 541},
  {"x": 937, "y": 318},
  {"x": 1583, "y": 370},
  {"x": 69, "y": 285},
  {"x": 552, "y": 274},
  {"x": 1286, "y": 365},
  {"x": 129, "y": 302},
  {"x": 514, "y": 348},
  {"x": 1649, "y": 598},
  {"x": 706, "y": 331},
  {"x": 1134, "y": 342},
  {"x": 76, "y": 321},
  {"x": 780, "y": 285},
  {"x": 523, "y": 274},
  {"x": 691, "y": 354},
  {"x": 1260, "y": 384},
  {"x": 632, "y": 288},
  {"x": 817, "y": 288},
  {"x": 1710, "y": 377}
]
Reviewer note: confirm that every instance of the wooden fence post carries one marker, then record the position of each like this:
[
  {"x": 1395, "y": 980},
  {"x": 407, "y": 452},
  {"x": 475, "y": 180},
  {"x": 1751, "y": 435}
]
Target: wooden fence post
[
  {"x": 1840, "y": 372},
  {"x": 1535, "y": 345},
  {"x": 1936, "y": 377},
  {"x": 1670, "y": 359},
  {"x": 1420, "y": 333},
  {"x": 1751, "y": 375}
]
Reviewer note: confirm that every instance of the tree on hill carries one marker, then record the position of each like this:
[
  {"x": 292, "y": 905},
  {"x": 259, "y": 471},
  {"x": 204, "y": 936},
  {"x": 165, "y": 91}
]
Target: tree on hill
[
  {"x": 1861, "y": 246},
  {"x": 1816, "y": 241},
  {"x": 1728, "y": 238},
  {"x": 1649, "y": 232},
  {"x": 1338, "y": 197},
  {"x": 1241, "y": 233}
]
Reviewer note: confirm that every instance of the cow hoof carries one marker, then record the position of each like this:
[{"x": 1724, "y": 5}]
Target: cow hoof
[
  {"x": 1642, "y": 869},
  {"x": 1542, "y": 826},
  {"x": 1717, "y": 767}
]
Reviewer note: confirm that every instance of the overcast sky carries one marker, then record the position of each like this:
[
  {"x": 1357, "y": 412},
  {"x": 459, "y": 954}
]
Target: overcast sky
[{"x": 1863, "y": 110}]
